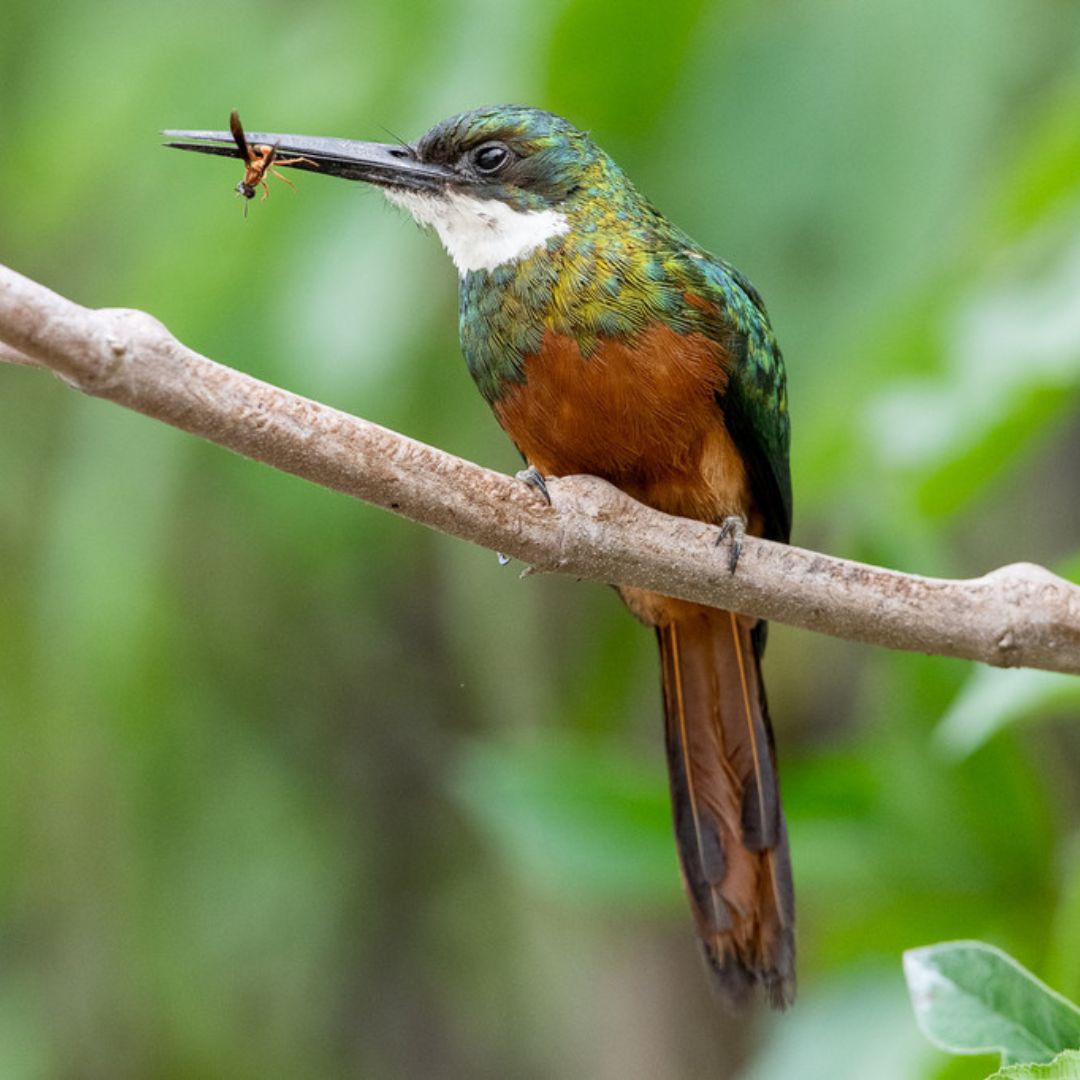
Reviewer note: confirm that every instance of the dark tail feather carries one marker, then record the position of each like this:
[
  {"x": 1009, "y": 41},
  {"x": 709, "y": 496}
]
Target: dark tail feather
[{"x": 729, "y": 824}]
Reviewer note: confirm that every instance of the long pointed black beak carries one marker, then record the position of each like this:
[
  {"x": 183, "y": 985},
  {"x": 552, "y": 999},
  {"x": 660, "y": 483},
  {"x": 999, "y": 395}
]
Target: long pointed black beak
[{"x": 387, "y": 165}]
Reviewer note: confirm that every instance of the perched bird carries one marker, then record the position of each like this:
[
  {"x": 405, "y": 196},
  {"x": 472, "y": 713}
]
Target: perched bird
[{"x": 608, "y": 342}]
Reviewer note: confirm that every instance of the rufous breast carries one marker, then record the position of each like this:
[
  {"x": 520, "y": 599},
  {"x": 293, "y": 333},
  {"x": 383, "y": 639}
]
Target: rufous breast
[{"x": 641, "y": 412}]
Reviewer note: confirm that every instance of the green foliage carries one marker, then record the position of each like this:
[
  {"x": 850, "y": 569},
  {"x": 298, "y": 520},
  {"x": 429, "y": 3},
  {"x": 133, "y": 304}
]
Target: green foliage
[
  {"x": 995, "y": 697},
  {"x": 971, "y": 998},
  {"x": 1066, "y": 1066},
  {"x": 578, "y": 819},
  {"x": 290, "y": 788},
  {"x": 579, "y": 71}
]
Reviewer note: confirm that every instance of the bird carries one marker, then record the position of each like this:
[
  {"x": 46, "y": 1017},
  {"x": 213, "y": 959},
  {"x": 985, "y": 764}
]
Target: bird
[{"x": 607, "y": 341}]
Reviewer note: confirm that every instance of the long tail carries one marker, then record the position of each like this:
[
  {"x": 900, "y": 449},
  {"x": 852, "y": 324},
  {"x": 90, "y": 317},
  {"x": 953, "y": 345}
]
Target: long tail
[{"x": 729, "y": 824}]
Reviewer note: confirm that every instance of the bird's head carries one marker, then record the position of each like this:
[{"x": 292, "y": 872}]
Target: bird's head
[
  {"x": 526, "y": 158},
  {"x": 515, "y": 178}
]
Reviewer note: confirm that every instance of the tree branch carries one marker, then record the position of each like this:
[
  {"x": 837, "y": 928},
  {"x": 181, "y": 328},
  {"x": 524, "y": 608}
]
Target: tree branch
[{"x": 1020, "y": 615}]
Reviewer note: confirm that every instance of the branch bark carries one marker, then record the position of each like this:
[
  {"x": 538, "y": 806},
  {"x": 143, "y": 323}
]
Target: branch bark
[{"x": 1019, "y": 615}]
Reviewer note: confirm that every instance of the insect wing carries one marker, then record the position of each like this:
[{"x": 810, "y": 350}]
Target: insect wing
[{"x": 237, "y": 130}]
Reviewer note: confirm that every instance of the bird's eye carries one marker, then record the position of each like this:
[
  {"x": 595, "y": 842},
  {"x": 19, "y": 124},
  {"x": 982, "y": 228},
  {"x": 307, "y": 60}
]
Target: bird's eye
[{"x": 490, "y": 158}]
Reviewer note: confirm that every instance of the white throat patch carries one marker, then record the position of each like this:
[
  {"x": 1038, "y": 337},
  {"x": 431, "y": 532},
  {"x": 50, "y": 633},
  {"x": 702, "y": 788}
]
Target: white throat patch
[{"x": 480, "y": 234}]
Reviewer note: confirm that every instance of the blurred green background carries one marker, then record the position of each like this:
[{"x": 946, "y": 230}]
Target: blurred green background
[{"x": 290, "y": 787}]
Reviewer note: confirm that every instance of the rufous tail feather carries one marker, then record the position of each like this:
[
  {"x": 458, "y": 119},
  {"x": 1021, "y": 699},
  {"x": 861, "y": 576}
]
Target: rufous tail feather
[{"x": 729, "y": 824}]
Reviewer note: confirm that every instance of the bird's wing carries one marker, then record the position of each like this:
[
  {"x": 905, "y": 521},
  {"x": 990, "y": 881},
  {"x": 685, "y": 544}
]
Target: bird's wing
[{"x": 754, "y": 400}]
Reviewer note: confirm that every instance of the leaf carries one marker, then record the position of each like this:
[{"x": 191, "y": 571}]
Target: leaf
[
  {"x": 1046, "y": 169},
  {"x": 1066, "y": 1066},
  {"x": 1011, "y": 366},
  {"x": 993, "y": 698},
  {"x": 972, "y": 998}
]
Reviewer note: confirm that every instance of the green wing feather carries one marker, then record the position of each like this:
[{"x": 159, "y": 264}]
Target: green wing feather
[{"x": 754, "y": 401}]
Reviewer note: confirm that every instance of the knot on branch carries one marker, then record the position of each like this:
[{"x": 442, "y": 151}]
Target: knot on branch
[
  {"x": 1041, "y": 608},
  {"x": 121, "y": 334},
  {"x": 1035, "y": 590}
]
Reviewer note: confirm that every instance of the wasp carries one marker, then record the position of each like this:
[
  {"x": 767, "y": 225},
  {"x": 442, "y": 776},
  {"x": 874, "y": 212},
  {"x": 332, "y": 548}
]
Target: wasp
[{"x": 259, "y": 160}]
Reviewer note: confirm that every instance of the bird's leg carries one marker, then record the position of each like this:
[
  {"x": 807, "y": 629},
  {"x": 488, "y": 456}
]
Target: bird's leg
[
  {"x": 532, "y": 477},
  {"x": 732, "y": 528}
]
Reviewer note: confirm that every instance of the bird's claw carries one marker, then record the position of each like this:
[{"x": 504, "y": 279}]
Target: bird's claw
[
  {"x": 732, "y": 528},
  {"x": 532, "y": 477}
]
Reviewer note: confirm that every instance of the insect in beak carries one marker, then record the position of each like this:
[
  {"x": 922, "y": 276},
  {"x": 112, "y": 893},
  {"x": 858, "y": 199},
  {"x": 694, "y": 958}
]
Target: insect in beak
[{"x": 259, "y": 161}]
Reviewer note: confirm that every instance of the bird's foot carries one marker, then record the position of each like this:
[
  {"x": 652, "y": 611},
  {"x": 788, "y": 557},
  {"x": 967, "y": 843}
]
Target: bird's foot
[
  {"x": 732, "y": 528},
  {"x": 532, "y": 477}
]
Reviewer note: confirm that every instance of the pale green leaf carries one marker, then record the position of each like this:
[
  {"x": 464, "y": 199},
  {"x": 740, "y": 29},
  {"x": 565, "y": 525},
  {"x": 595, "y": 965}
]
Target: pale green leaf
[
  {"x": 1066, "y": 1066},
  {"x": 995, "y": 697},
  {"x": 972, "y": 998},
  {"x": 1012, "y": 363}
]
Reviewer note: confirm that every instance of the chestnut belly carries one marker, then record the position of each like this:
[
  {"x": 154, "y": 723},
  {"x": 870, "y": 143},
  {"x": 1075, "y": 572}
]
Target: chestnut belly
[{"x": 640, "y": 412}]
